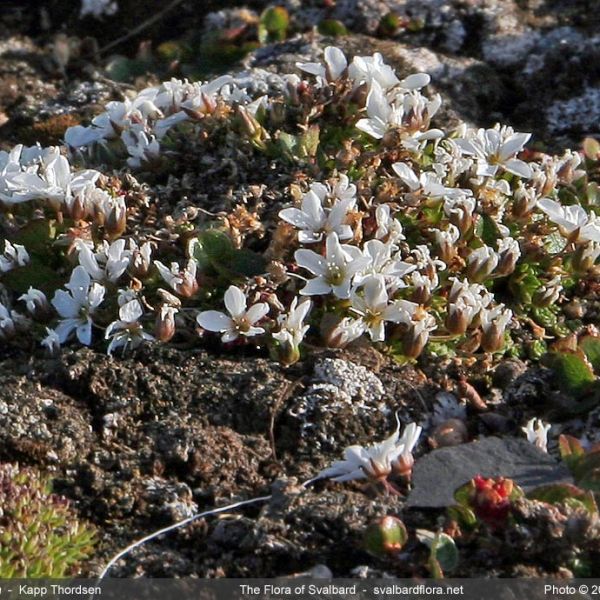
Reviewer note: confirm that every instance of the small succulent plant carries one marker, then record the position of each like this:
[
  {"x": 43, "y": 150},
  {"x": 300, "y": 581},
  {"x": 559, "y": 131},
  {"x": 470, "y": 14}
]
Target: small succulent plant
[
  {"x": 40, "y": 534},
  {"x": 486, "y": 500}
]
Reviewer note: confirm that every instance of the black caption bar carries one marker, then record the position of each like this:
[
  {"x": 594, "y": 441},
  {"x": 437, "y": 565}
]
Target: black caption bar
[{"x": 299, "y": 589}]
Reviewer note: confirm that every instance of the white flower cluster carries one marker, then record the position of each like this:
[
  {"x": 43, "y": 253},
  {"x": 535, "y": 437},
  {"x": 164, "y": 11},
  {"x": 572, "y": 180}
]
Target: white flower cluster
[
  {"x": 35, "y": 173},
  {"x": 377, "y": 462},
  {"x": 422, "y": 255},
  {"x": 142, "y": 121}
]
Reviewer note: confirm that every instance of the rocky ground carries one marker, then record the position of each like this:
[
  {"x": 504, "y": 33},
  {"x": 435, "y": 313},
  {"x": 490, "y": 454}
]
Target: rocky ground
[{"x": 141, "y": 442}]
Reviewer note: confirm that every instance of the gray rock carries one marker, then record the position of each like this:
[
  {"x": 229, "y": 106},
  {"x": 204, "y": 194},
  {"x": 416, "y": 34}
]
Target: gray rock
[{"x": 438, "y": 474}]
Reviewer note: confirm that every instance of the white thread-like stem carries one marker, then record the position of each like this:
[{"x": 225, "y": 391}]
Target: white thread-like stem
[{"x": 177, "y": 525}]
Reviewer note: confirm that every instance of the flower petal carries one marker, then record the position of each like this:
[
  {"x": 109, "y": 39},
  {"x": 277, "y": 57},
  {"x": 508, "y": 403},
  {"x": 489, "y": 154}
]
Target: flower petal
[
  {"x": 213, "y": 320},
  {"x": 235, "y": 301}
]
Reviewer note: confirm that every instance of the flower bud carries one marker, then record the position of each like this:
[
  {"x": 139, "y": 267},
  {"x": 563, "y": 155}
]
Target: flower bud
[
  {"x": 286, "y": 352},
  {"x": 548, "y": 294},
  {"x": 164, "y": 328},
  {"x": 509, "y": 253},
  {"x": 446, "y": 241},
  {"x": 417, "y": 336},
  {"x": 493, "y": 324},
  {"x": 459, "y": 316},
  {"x": 116, "y": 221},
  {"x": 77, "y": 209},
  {"x": 481, "y": 263},
  {"x": 252, "y": 128},
  {"x": 385, "y": 536}
]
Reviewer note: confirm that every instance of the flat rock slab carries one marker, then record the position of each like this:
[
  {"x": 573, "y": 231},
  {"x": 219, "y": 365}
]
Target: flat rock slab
[{"x": 438, "y": 474}]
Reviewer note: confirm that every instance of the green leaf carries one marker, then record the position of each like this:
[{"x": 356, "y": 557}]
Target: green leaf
[
  {"x": 35, "y": 274},
  {"x": 443, "y": 556},
  {"x": 487, "y": 230},
  {"x": 561, "y": 492},
  {"x": 309, "y": 142},
  {"x": 216, "y": 250},
  {"x": 38, "y": 235},
  {"x": 591, "y": 148},
  {"x": 464, "y": 493},
  {"x": 273, "y": 25},
  {"x": 571, "y": 450},
  {"x": 555, "y": 243},
  {"x": 590, "y": 344},
  {"x": 445, "y": 552},
  {"x": 122, "y": 68},
  {"x": 587, "y": 472},
  {"x": 463, "y": 515},
  {"x": 332, "y": 27},
  {"x": 572, "y": 372},
  {"x": 544, "y": 316},
  {"x": 524, "y": 282}
]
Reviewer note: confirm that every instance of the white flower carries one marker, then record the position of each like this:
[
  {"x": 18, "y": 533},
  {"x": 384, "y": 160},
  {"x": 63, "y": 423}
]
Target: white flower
[
  {"x": 40, "y": 174},
  {"x": 314, "y": 220},
  {"x": 51, "y": 341},
  {"x": 7, "y": 323},
  {"x": 332, "y": 70},
  {"x": 373, "y": 462},
  {"x": 127, "y": 331},
  {"x": 404, "y": 463},
  {"x": 77, "y": 306},
  {"x": 537, "y": 433},
  {"x": 141, "y": 147},
  {"x": 333, "y": 272},
  {"x": 409, "y": 113},
  {"x": 291, "y": 324},
  {"x": 14, "y": 255},
  {"x": 459, "y": 210},
  {"x": 141, "y": 257},
  {"x": 429, "y": 184},
  {"x": 380, "y": 261},
  {"x": 374, "y": 308},
  {"x": 369, "y": 69},
  {"x": 107, "y": 265},
  {"x": 381, "y": 115},
  {"x": 183, "y": 281},
  {"x": 240, "y": 321},
  {"x": 387, "y": 225},
  {"x": 573, "y": 220},
  {"x": 494, "y": 148},
  {"x": 345, "y": 332},
  {"x": 36, "y": 302}
]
